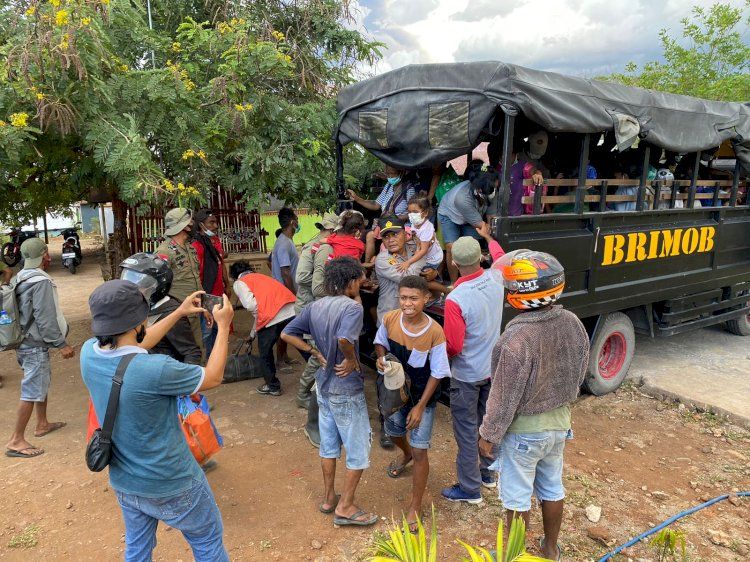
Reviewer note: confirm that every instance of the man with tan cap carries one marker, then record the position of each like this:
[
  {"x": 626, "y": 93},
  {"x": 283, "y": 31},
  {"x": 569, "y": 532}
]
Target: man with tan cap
[
  {"x": 473, "y": 317},
  {"x": 43, "y": 326},
  {"x": 182, "y": 258},
  {"x": 309, "y": 260}
]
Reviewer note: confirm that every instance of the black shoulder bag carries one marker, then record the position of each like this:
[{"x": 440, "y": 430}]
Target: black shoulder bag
[{"x": 99, "y": 449}]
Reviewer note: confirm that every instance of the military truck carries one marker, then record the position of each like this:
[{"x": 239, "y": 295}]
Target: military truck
[{"x": 678, "y": 261}]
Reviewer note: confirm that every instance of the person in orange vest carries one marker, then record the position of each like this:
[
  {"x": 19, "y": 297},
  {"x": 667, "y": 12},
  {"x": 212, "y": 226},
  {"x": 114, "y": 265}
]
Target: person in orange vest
[{"x": 272, "y": 306}]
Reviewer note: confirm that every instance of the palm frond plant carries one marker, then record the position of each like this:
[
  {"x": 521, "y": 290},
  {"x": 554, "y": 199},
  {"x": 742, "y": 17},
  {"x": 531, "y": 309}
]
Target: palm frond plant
[
  {"x": 514, "y": 551},
  {"x": 399, "y": 544}
]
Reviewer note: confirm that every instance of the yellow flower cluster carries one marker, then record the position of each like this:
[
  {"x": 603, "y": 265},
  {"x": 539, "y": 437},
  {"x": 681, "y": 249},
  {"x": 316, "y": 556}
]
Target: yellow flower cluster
[
  {"x": 182, "y": 74},
  {"x": 123, "y": 67},
  {"x": 39, "y": 96},
  {"x": 30, "y": 11},
  {"x": 19, "y": 119},
  {"x": 62, "y": 17},
  {"x": 278, "y": 35},
  {"x": 224, "y": 27},
  {"x": 2, "y": 123},
  {"x": 181, "y": 189},
  {"x": 176, "y": 47},
  {"x": 85, "y": 21},
  {"x": 190, "y": 153},
  {"x": 286, "y": 58},
  {"x": 243, "y": 107},
  {"x": 55, "y": 3}
]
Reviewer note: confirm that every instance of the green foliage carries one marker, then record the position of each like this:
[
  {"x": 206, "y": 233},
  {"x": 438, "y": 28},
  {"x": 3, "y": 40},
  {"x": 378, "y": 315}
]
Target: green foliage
[
  {"x": 666, "y": 543},
  {"x": 711, "y": 60},
  {"x": 401, "y": 545},
  {"x": 241, "y": 95}
]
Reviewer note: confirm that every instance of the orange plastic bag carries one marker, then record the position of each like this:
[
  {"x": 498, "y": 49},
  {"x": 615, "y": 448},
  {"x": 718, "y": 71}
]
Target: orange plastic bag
[
  {"x": 93, "y": 422},
  {"x": 199, "y": 431}
]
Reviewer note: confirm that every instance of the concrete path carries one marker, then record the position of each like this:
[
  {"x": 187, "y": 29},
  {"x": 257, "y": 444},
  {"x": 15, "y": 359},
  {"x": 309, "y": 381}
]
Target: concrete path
[{"x": 707, "y": 368}]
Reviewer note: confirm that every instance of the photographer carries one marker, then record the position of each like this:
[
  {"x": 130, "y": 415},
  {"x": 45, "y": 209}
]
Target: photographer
[{"x": 152, "y": 471}]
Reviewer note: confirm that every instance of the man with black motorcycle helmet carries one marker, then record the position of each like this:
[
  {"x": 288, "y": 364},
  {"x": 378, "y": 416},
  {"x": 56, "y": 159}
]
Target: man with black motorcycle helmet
[{"x": 154, "y": 278}]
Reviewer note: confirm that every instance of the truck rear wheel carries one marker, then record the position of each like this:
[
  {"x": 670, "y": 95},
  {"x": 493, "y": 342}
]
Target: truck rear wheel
[
  {"x": 611, "y": 353},
  {"x": 739, "y": 326}
]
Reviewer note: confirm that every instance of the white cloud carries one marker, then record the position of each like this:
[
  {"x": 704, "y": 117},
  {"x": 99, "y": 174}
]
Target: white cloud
[{"x": 583, "y": 37}]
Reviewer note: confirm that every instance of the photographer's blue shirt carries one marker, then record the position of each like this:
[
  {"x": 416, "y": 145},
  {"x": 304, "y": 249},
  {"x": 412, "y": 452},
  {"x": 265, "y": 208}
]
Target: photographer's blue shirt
[{"x": 150, "y": 456}]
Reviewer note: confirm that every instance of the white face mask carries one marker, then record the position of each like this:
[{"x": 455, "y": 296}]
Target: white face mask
[
  {"x": 416, "y": 218},
  {"x": 210, "y": 233},
  {"x": 492, "y": 195}
]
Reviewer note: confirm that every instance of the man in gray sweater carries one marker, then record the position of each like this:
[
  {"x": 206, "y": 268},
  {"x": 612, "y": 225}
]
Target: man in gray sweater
[
  {"x": 43, "y": 326},
  {"x": 538, "y": 366}
]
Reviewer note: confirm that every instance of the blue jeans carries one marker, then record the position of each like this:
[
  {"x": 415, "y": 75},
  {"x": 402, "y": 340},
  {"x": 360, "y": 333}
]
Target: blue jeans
[
  {"x": 194, "y": 512},
  {"x": 452, "y": 231},
  {"x": 468, "y": 406},
  {"x": 343, "y": 420},
  {"x": 36, "y": 373},
  {"x": 419, "y": 438},
  {"x": 209, "y": 335},
  {"x": 532, "y": 463}
]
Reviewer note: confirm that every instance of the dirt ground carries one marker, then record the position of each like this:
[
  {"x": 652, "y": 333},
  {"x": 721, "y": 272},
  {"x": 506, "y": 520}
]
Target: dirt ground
[{"x": 639, "y": 459}]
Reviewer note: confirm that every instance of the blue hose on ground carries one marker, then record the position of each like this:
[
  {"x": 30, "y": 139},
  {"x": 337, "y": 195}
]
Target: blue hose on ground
[{"x": 668, "y": 522}]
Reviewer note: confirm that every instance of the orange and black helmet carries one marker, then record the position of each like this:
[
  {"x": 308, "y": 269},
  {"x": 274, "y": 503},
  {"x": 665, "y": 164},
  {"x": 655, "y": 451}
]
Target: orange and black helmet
[{"x": 531, "y": 279}]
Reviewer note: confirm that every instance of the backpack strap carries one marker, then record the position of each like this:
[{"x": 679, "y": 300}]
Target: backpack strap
[{"x": 114, "y": 397}]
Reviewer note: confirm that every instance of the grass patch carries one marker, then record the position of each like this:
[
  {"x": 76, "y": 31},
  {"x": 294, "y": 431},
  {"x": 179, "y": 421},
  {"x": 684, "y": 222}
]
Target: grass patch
[{"x": 28, "y": 538}]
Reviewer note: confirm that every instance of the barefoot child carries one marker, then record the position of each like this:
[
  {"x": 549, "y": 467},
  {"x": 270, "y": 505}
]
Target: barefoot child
[
  {"x": 418, "y": 342},
  {"x": 427, "y": 243}
]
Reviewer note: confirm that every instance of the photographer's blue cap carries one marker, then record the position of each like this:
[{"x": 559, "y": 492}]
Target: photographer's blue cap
[{"x": 117, "y": 306}]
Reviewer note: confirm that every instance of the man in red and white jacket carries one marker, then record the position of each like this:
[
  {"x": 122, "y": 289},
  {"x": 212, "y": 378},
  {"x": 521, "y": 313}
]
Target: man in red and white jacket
[{"x": 473, "y": 316}]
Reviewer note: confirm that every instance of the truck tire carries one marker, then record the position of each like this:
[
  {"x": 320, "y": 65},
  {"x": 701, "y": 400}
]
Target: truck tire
[
  {"x": 611, "y": 353},
  {"x": 740, "y": 325}
]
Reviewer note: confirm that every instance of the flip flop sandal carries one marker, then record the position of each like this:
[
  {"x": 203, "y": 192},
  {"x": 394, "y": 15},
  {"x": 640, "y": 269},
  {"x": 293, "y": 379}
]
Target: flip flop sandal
[
  {"x": 394, "y": 469},
  {"x": 331, "y": 509},
  {"x": 559, "y": 550},
  {"x": 340, "y": 521},
  {"x": 21, "y": 455},
  {"x": 53, "y": 427}
]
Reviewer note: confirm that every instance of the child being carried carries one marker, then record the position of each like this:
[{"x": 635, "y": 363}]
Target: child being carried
[{"x": 423, "y": 230}]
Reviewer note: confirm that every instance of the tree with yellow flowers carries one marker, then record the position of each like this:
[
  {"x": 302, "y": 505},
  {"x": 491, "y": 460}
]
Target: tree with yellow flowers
[{"x": 237, "y": 94}]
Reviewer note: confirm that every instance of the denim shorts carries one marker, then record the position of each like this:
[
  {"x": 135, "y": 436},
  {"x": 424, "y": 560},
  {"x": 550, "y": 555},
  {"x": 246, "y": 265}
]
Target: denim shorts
[
  {"x": 419, "y": 438},
  {"x": 343, "y": 420},
  {"x": 36, "y": 373},
  {"x": 452, "y": 231},
  {"x": 193, "y": 512},
  {"x": 531, "y": 463}
]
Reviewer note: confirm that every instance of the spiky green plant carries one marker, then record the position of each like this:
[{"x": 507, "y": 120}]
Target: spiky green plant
[
  {"x": 514, "y": 551},
  {"x": 399, "y": 544}
]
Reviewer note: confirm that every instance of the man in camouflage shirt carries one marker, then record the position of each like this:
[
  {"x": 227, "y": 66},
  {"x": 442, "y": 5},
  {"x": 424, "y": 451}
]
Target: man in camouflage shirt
[{"x": 182, "y": 258}]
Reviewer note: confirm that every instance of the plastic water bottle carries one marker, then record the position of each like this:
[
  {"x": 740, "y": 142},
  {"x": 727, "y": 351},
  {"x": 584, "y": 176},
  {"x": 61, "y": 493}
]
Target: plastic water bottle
[{"x": 4, "y": 318}]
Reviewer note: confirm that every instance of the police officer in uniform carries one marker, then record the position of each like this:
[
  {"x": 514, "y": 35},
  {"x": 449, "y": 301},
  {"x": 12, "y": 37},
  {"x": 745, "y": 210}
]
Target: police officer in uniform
[{"x": 182, "y": 259}]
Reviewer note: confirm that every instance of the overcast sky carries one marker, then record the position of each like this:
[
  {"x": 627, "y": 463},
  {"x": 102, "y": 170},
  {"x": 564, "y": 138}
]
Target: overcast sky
[{"x": 581, "y": 37}]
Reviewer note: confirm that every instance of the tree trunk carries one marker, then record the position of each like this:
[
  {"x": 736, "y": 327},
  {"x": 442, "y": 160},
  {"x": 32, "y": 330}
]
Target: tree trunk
[{"x": 117, "y": 248}]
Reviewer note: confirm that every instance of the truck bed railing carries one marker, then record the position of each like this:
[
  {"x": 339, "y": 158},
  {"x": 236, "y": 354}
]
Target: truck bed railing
[{"x": 669, "y": 191}]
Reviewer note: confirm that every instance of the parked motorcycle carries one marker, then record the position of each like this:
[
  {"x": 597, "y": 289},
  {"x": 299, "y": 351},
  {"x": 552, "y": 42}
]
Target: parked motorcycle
[
  {"x": 12, "y": 250},
  {"x": 71, "y": 249}
]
